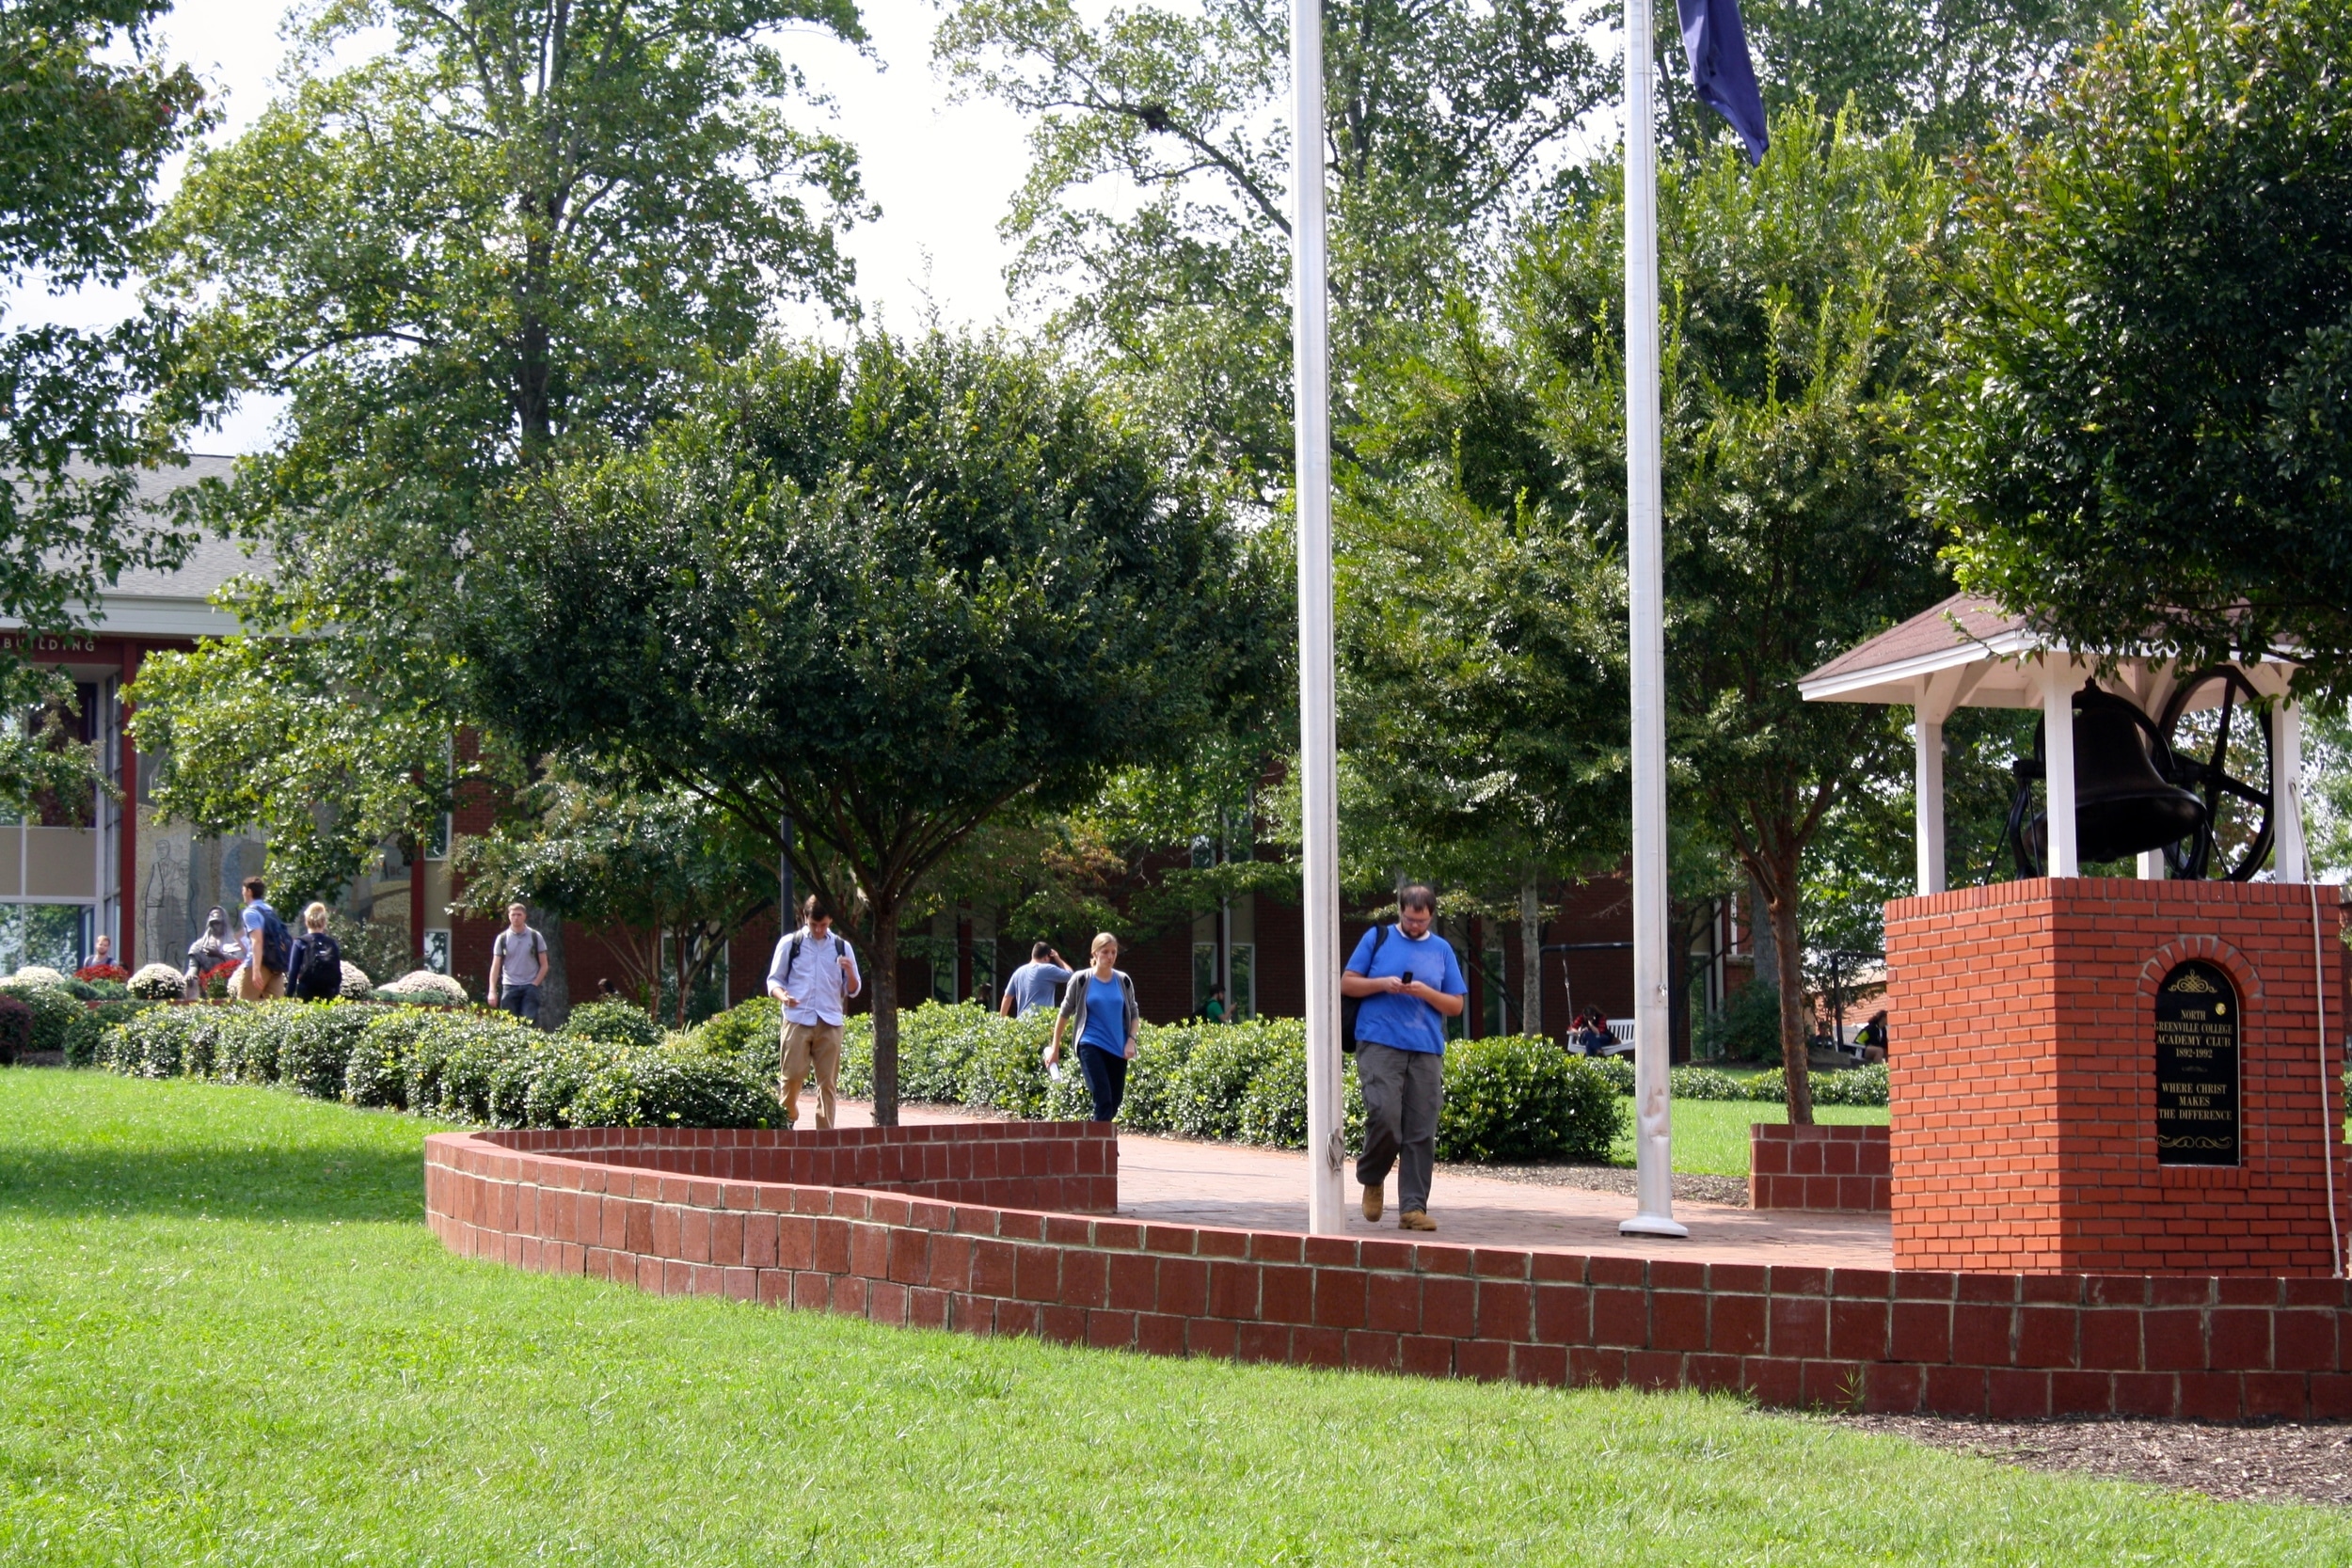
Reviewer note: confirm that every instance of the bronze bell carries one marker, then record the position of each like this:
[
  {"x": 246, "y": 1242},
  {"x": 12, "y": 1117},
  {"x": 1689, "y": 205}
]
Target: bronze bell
[{"x": 2124, "y": 801}]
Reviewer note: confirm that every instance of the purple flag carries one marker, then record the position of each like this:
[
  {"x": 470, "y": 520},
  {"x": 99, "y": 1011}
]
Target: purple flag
[{"x": 1717, "y": 43}]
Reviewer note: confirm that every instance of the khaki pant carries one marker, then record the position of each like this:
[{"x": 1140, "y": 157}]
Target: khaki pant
[
  {"x": 257, "y": 984},
  {"x": 806, "y": 1045}
]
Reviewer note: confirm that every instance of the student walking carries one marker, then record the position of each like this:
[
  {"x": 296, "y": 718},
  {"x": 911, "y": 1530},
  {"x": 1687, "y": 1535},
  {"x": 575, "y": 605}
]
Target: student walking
[
  {"x": 1410, "y": 983},
  {"x": 1036, "y": 985},
  {"x": 813, "y": 974},
  {"x": 1103, "y": 999},
  {"x": 268, "y": 947},
  {"x": 518, "y": 962},
  {"x": 316, "y": 969}
]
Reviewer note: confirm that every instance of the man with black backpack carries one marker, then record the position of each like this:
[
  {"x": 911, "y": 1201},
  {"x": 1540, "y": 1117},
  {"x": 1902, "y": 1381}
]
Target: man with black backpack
[
  {"x": 268, "y": 948},
  {"x": 1406, "y": 982},
  {"x": 812, "y": 975}
]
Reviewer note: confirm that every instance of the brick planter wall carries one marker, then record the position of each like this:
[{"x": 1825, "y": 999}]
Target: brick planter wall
[
  {"x": 2022, "y": 1079},
  {"x": 1818, "y": 1167},
  {"x": 2007, "y": 1345}
]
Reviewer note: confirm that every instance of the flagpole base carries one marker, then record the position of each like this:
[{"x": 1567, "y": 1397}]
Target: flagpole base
[{"x": 1652, "y": 1225}]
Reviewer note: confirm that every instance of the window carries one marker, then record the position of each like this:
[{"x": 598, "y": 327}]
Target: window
[{"x": 1498, "y": 998}]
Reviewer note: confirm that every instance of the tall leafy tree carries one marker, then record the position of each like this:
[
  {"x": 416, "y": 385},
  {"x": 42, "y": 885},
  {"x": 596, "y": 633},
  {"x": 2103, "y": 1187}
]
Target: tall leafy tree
[
  {"x": 89, "y": 117},
  {"x": 1442, "y": 117},
  {"x": 516, "y": 230},
  {"x": 2145, "y": 436},
  {"x": 892, "y": 593}
]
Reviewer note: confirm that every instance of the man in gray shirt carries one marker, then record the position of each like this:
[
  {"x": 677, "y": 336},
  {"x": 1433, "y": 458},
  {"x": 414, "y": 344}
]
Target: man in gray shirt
[
  {"x": 1036, "y": 985},
  {"x": 518, "y": 962}
]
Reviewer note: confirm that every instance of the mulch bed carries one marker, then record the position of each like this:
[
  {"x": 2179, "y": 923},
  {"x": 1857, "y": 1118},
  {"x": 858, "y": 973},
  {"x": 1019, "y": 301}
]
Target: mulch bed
[
  {"x": 1730, "y": 1190},
  {"x": 2286, "y": 1462}
]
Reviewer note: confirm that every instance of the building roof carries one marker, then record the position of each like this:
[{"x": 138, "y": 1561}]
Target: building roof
[{"x": 177, "y": 603}]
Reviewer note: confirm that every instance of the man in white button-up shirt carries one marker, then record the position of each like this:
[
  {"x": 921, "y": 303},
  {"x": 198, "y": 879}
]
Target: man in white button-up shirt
[{"x": 813, "y": 974}]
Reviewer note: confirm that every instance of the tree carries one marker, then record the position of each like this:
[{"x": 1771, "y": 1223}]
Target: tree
[
  {"x": 890, "y": 592},
  {"x": 1441, "y": 115},
  {"x": 2142, "y": 438},
  {"x": 668, "y": 876},
  {"x": 521, "y": 228},
  {"x": 87, "y": 118},
  {"x": 1799, "y": 309}
]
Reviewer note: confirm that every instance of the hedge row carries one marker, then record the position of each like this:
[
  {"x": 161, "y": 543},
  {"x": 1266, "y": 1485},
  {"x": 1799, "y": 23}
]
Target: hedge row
[
  {"x": 476, "y": 1066},
  {"x": 1865, "y": 1085},
  {"x": 1506, "y": 1099}
]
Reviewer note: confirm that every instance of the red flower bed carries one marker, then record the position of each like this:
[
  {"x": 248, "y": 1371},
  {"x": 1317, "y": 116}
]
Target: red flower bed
[{"x": 102, "y": 972}]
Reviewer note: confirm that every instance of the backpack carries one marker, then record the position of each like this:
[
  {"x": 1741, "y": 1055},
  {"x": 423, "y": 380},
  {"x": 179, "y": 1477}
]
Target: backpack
[
  {"x": 322, "y": 972},
  {"x": 792, "y": 953},
  {"x": 276, "y": 946},
  {"x": 1351, "y": 1005}
]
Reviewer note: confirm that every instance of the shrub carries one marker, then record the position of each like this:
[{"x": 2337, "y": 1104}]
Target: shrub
[
  {"x": 102, "y": 972},
  {"x": 1698, "y": 1082},
  {"x": 157, "y": 983},
  {"x": 1225, "y": 1062},
  {"x": 1520, "y": 1098},
  {"x": 614, "y": 1023},
  {"x": 1747, "y": 1027},
  {"x": 164, "y": 1042},
  {"x": 16, "y": 1030},
  {"x": 108, "y": 991},
  {"x": 39, "y": 975},
  {"x": 56, "y": 1010},
  {"x": 1616, "y": 1070},
  {"x": 355, "y": 986},
  {"x": 81, "y": 990},
  {"x": 1862, "y": 1085},
  {"x": 214, "y": 982},
  {"x": 82, "y": 1037},
  {"x": 422, "y": 984}
]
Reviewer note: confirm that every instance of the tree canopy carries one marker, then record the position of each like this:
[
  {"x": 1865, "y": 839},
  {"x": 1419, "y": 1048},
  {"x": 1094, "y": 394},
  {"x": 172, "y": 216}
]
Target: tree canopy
[
  {"x": 2142, "y": 434},
  {"x": 889, "y": 592}
]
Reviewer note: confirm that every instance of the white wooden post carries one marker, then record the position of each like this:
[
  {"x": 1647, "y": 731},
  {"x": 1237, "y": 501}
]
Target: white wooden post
[
  {"x": 2290, "y": 859},
  {"x": 2057, "y": 729},
  {"x": 1928, "y": 778}
]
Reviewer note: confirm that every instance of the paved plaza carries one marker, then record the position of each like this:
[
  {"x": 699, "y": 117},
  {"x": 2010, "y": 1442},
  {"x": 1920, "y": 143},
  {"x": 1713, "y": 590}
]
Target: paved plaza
[{"x": 1181, "y": 1182}]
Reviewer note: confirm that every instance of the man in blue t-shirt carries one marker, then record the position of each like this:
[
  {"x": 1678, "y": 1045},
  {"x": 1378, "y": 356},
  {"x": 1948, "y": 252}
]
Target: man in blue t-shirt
[
  {"x": 1036, "y": 985},
  {"x": 1410, "y": 984}
]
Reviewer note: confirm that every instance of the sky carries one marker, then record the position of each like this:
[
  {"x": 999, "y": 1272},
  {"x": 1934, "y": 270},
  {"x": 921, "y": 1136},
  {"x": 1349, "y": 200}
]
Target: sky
[{"x": 943, "y": 173}]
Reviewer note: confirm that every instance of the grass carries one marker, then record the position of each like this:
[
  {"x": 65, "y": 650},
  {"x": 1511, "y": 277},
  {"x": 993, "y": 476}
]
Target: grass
[
  {"x": 227, "y": 1339},
  {"x": 1711, "y": 1136}
]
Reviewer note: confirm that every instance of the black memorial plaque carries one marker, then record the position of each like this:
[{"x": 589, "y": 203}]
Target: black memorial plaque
[{"x": 2197, "y": 1041}]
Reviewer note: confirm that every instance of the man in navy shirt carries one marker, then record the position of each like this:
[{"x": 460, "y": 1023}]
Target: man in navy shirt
[{"x": 1410, "y": 984}]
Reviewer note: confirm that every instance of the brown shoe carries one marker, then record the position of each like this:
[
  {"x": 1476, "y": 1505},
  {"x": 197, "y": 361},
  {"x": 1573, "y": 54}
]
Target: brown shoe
[
  {"x": 1372, "y": 1204},
  {"x": 1415, "y": 1219}
]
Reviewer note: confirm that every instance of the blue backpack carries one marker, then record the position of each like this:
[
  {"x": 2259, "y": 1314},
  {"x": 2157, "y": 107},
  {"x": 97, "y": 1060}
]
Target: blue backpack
[{"x": 276, "y": 946}]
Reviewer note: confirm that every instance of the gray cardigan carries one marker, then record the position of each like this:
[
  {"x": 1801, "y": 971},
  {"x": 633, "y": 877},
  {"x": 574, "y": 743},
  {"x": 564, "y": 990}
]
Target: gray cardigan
[{"x": 1073, "y": 1000}]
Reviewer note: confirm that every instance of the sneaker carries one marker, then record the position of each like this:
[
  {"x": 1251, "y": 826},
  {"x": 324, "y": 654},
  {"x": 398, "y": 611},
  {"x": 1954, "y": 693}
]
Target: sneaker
[
  {"x": 1372, "y": 1204},
  {"x": 1416, "y": 1219}
]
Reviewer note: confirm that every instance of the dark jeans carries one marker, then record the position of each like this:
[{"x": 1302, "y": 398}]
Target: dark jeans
[
  {"x": 522, "y": 1001},
  {"x": 1403, "y": 1091},
  {"x": 1106, "y": 1080}
]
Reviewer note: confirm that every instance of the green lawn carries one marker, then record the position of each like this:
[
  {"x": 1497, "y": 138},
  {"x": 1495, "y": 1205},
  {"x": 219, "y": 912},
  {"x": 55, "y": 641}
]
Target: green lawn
[
  {"x": 227, "y": 1339},
  {"x": 1712, "y": 1135}
]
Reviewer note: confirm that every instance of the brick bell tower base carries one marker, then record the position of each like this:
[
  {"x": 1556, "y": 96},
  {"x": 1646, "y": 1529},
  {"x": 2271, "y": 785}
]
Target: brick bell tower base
[{"x": 2076, "y": 1088}]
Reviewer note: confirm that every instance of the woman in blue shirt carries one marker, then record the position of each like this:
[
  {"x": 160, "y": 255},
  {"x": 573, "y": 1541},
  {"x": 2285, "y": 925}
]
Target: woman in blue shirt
[{"x": 1103, "y": 1001}]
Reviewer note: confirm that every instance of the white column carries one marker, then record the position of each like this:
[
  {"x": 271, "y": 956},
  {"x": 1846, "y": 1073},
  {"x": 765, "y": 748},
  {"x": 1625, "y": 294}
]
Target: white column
[
  {"x": 2289, "y": 859},
  {"x": 1928, "y": 778},
  {"x": 2058, "y": 750},
  {"x": 1318, "y": 734},
  {"x": 1653, "y": 1125}
]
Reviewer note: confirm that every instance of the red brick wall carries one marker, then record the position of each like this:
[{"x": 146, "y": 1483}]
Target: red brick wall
[
  {"x": 1818, "y": 1167},
  {"x": 2007, "y": 1345},
  {"x": 2024, "y": 1082}
]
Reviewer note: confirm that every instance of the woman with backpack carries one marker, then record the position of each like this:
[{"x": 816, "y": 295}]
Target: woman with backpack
[
  {"x": 315, "y": 973},
  {"x": 1103, "y": 999}
]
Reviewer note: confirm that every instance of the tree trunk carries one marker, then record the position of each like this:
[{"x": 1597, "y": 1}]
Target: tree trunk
[
  {"x": 1530, "y": 960},
  {"x": 883, "y": 978},
  {"x": 1780, "y": 901},
  {"x": 555, "y": 991}
]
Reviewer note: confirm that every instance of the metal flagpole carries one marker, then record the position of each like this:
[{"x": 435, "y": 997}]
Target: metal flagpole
[
  {"x": 1318, "y": 733},
  {"x": 1653, "y": 1130}
]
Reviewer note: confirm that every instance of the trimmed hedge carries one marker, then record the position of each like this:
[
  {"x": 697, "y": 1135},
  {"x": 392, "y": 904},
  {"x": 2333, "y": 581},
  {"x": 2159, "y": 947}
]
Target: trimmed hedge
[
  {"x": 56, "y": 1010},
  {"x": 472, "y": 1066},
  {"x": 1511, "y": 1098}
]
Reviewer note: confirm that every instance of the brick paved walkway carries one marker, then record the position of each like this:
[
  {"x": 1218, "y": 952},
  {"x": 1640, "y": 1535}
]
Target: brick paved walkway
[{"x": 1182, "y": 1182}]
